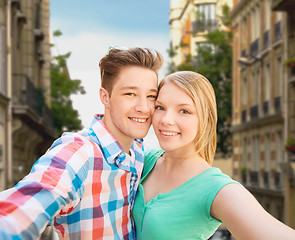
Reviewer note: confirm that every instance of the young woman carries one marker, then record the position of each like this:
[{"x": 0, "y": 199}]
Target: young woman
[{"x": 181, "y": 196}]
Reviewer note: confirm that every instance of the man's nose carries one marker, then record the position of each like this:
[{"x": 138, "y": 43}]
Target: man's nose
[{"x": 144, "y": 105}]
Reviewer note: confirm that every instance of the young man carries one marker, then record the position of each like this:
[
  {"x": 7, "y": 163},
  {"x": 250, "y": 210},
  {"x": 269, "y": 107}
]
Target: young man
[{"x": 86, "y": 182}]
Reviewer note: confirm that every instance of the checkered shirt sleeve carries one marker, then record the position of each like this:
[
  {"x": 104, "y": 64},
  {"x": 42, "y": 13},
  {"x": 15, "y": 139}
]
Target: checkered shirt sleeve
[{"x": 82, "y": 185}]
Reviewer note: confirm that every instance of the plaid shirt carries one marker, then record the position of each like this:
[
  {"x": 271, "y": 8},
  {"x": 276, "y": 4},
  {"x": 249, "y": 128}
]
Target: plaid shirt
[{"x": 84, "y": 185}]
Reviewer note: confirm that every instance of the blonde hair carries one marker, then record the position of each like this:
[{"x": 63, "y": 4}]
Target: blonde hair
[
  {"x": 202, "y": 93},
  {"x": 118, "y": 59}
]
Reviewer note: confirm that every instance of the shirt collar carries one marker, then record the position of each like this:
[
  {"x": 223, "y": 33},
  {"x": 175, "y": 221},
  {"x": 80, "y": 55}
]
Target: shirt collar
[{"x": 112, "y": 150}]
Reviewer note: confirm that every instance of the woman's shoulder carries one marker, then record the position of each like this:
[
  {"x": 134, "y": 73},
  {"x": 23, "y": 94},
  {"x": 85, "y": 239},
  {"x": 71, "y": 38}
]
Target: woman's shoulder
[
  {"x": 150, "y": 158},
  {"x": 213, "y": 179},
  {"x": 217, "y": 176},
  {"x": 153, "y": 153}
]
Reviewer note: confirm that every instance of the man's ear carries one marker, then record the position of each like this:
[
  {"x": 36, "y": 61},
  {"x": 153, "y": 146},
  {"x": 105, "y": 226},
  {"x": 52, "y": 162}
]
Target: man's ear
[{"x": 104, "y": 96}]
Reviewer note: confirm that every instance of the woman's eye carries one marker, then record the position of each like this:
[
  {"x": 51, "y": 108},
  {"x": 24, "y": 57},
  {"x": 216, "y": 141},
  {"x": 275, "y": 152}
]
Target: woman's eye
[
  {"x": 184, "y": 111},
  {"x": 159, "y": 108}
]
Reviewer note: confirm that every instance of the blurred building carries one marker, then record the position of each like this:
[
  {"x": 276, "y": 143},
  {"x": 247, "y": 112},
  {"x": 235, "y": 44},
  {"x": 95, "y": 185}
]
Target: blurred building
[
  {"x": 288, "y": 9},
  {"x": 25, "y": 117},
  {"x": 263, "y": 102},
  {"x": 190, "y": 21}
]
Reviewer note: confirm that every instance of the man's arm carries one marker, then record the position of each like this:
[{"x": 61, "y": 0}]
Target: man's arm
[{"x": 52, "y": 187}]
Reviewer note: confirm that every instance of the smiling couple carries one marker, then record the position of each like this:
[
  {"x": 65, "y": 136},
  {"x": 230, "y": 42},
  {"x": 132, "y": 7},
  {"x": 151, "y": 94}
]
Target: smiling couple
[{"x": 98, "y": 183}]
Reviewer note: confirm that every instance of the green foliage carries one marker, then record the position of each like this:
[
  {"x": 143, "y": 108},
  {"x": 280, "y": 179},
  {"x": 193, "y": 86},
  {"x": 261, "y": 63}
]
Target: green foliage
[
  {"x": 290, "y": 145},
  {"x": 290, "y": 142},
  {"x": 214, "y": 61},
  {"x": 290, "y": 62},
  {"x": 57, "y": 33},
  {"x": 171, "y": 52},
  {"x": 65, "y": 117}
]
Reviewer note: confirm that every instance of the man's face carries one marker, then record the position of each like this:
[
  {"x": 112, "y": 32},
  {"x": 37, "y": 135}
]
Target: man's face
[{"x": 129, "y": 109}]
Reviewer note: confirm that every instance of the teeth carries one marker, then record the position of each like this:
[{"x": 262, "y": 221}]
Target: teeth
[
  {"x": 169, "y": 133},
  {"x": 140, "y": 120}
]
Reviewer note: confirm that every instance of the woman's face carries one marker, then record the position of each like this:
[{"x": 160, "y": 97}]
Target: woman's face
[{"x": 175, "y": 119}]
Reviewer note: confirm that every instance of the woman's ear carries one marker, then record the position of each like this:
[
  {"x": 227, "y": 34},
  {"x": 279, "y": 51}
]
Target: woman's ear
[{"x": 104, "y": 96}]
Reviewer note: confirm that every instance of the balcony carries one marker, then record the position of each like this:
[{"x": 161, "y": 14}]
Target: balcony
[
  {"x": 204, "y": 26},
  {"x": 254, "y": 48},
  {"x": 39, "y": 35},
  {"x": 283, "y": 5},
  {"x": 28, "y": 101},
  {"x": 278, "y": 31}
]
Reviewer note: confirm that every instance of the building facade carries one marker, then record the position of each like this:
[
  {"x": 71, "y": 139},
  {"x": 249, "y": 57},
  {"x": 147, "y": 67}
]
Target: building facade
[
  {"x": 190, "y": 21},
  {"x": 4, "y": 98},
  {"x": 263, "y": 103},
  {"x": 25, "y": 116}
]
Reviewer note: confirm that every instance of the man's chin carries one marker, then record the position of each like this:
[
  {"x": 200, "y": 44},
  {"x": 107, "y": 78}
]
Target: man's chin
[{"x": 138, "y": 136}]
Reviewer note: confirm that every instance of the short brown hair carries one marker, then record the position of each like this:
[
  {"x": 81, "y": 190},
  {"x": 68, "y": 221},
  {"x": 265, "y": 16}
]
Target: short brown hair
[{"x": 111, "y": 64}]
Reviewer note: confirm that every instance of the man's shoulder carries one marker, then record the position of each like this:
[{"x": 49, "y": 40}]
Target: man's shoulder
[{"x": 73, "y": 139}]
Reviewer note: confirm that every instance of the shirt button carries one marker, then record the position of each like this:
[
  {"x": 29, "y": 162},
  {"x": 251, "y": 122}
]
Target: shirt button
[{"x": 121, "y": 154}]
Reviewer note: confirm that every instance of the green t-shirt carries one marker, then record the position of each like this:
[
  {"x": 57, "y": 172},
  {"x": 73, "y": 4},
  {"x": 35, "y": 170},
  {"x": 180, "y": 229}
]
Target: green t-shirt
[{"x": 182, "y": 213}]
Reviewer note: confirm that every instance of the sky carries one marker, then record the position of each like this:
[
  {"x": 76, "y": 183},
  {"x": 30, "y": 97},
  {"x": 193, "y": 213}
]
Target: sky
[{"x": 89, "y": 27}]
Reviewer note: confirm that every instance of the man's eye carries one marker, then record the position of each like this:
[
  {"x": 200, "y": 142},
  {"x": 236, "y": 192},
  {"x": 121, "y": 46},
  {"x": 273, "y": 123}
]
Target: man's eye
[
  {"x": 129, "y": 94},
  {"x": 159, "y": 108}
]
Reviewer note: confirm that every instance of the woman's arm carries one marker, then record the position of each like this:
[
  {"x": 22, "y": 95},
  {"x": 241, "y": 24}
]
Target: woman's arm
[{"x": 245, "y": 218}]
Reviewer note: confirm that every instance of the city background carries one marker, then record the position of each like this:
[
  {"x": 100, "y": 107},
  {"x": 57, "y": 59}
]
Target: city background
[{"x": 49, "y": 78}]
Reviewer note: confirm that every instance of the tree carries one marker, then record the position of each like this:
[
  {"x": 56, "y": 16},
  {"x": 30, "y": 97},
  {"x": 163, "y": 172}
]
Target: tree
[
  {"x": 65, "y": 117},
  {"x": 214, "y": 61}
]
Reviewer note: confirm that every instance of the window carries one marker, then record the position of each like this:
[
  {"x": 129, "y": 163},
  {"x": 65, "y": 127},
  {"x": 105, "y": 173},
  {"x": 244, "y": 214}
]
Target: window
[
  {"x": 267, "y": 82},
  {"x": 245, "y": 153},
  {"x": 255, "y": 153},
  {"x": 2, "y": 180},
  {"x": 279, "y": 77},
  {"x": 38, "y": 15},
  {"x": 206, "y": 46},
  {"x": 267, "y": 7},
  {"x": 255, "y": 88},
  {"x": 208, "y": 11},
  {"x": 279, "y": 148},
  {"x": 245, "y": 92},
  {"x": 205, "y": 17},
  {"x": 2, "y": 60},
  {"x": 244, "y": 34},
  {"x": 267, "y": 152},
  {"x": 255, "y": 23}
]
